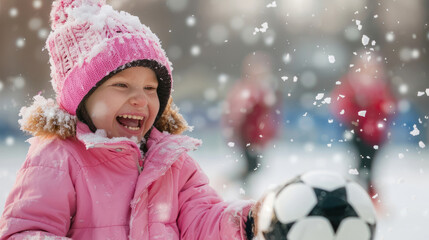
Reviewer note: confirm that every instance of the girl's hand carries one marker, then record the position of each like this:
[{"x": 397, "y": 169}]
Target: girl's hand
[{"x": 252, "y": 220}]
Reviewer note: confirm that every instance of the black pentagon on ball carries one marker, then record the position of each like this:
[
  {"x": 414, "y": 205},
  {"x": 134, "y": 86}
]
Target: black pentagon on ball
[{"x": 333, "y": 205}]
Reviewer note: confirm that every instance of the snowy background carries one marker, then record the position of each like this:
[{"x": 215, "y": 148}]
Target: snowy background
[{"x": 312, "y": 40}]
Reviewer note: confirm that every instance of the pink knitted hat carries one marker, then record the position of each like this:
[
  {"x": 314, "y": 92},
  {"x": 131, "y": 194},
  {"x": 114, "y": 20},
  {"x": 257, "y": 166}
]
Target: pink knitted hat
[{"x": 89, "y": 40}]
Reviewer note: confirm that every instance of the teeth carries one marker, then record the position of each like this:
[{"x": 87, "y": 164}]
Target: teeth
[
  {"x": 131, "y": 117},
  {"x": 132, "y": 128},
  {"x": 139, "y": 118}
]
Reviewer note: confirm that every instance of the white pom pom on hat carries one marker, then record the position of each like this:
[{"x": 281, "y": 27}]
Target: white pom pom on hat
[{"x": 59, "y": 9}]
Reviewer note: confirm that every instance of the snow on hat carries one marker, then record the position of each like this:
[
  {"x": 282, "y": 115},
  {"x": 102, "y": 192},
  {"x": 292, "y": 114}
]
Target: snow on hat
[{"x": 89, "y": 40}]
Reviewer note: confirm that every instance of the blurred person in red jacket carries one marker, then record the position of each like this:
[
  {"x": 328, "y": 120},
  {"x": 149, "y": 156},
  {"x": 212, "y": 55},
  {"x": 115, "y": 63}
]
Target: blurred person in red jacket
[
  {"x": 251, "y": 115},
  {"x": 364, "y": 103}
]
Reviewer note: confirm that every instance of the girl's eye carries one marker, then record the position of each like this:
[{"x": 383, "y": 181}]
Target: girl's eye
[
  {"x": 150, "y": 88},
  {"x": 122, "y": 85}
]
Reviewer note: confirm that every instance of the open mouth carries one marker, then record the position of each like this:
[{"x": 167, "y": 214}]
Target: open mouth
[{"x": 131, "y": 122}]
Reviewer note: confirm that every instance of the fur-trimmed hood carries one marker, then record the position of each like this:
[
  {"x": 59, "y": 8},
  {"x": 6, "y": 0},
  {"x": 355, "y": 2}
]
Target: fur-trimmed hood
[{"x": 44, "y": 118}]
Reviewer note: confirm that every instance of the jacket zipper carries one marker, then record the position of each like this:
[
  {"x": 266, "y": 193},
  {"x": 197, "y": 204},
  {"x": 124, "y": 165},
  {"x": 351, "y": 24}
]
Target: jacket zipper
[
  {"x": 140, "y": 161},
  {"x": 140, "y": 165}
]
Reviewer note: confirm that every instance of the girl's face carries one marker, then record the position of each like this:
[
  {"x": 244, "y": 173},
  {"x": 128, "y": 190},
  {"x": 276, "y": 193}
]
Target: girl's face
[{"x": 126, "y": 104}]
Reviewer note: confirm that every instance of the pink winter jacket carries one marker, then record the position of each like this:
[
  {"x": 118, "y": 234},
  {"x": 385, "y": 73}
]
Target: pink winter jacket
[{"x": 89, "y": 187}]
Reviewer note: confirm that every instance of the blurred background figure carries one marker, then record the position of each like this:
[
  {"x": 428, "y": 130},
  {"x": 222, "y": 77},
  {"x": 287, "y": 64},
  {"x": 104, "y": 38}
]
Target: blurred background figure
[
  {"x": 364, "y": 104},
  {"x": 251, "y": 115}
]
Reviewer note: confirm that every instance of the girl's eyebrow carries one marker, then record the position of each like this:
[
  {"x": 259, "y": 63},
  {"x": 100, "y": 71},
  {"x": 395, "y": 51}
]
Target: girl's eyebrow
[
  {"x": 153, "y": 80},
  {"x": 117, "y": 77}
]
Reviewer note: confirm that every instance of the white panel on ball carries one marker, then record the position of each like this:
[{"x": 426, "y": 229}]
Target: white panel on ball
[
  {"x": 311, "y": 228},
  {"x": 361, "y": 202},
  {"x": 325, "y": 180},
  {"x": 294, "y": 202},
  {"x": 353, "y": 229}
]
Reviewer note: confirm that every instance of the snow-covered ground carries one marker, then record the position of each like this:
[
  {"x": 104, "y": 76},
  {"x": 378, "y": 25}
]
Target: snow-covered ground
[{"x": 402, "y": 177}]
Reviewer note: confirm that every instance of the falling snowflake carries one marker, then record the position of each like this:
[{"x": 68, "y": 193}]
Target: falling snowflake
[
  {"x": 353, "y": 171},
  {"x": 10, "y": 141},
  {"x": 403, "y": 88},
  {"x": 415, "y": 131},
  {"x": 390, "y": 36},
  {"x": 43, "y": 33},
  {"x": 415, "y": 53},
  {"x": 358, "y": 25},
  {"x": 37, "y": 4},
  {"x": 295, "y": 79},
  {"x": 13, "y": 12},
  {"x": 327, "y": 100},
  {"x": 331, "y": 58},
  {"x": 362, "y": 113},
  {"x": 195, "y": 50},
  {"x": 272, "y": 5},
  {"x": 320, "y": 96},
  {"x": 190, "y": 21},
  {"x": 286, "y": 58},
  {"x": 264, "y": 27},
  {"x": 222, "y": 78},
  {"x": 365, "y": 40},
  {"x": 20, "y": 42}
]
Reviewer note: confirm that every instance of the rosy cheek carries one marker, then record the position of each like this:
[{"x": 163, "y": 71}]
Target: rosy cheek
[{"x": 99, "y": 111}]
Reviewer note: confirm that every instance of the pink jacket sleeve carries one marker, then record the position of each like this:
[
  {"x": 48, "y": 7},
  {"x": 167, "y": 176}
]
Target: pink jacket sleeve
[
  {"x": 203, "y": 214},
  {"x": 42, "y": 200}
]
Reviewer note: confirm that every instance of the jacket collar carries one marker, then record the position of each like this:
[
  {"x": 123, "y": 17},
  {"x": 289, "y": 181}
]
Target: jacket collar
[
  {"x": 163, "y": 148},
  {"x": 99, "y": 139}
]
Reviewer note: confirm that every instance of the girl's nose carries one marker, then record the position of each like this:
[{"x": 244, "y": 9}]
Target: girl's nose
[{"x": 138, "y": 99}]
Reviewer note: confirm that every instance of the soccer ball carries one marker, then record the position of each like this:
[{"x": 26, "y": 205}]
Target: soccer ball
[{"x": 317, "y": 205}]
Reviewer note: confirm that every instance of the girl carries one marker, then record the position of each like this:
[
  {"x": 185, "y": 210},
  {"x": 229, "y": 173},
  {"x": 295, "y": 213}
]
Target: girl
[{"x": 107, "y": 160}]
